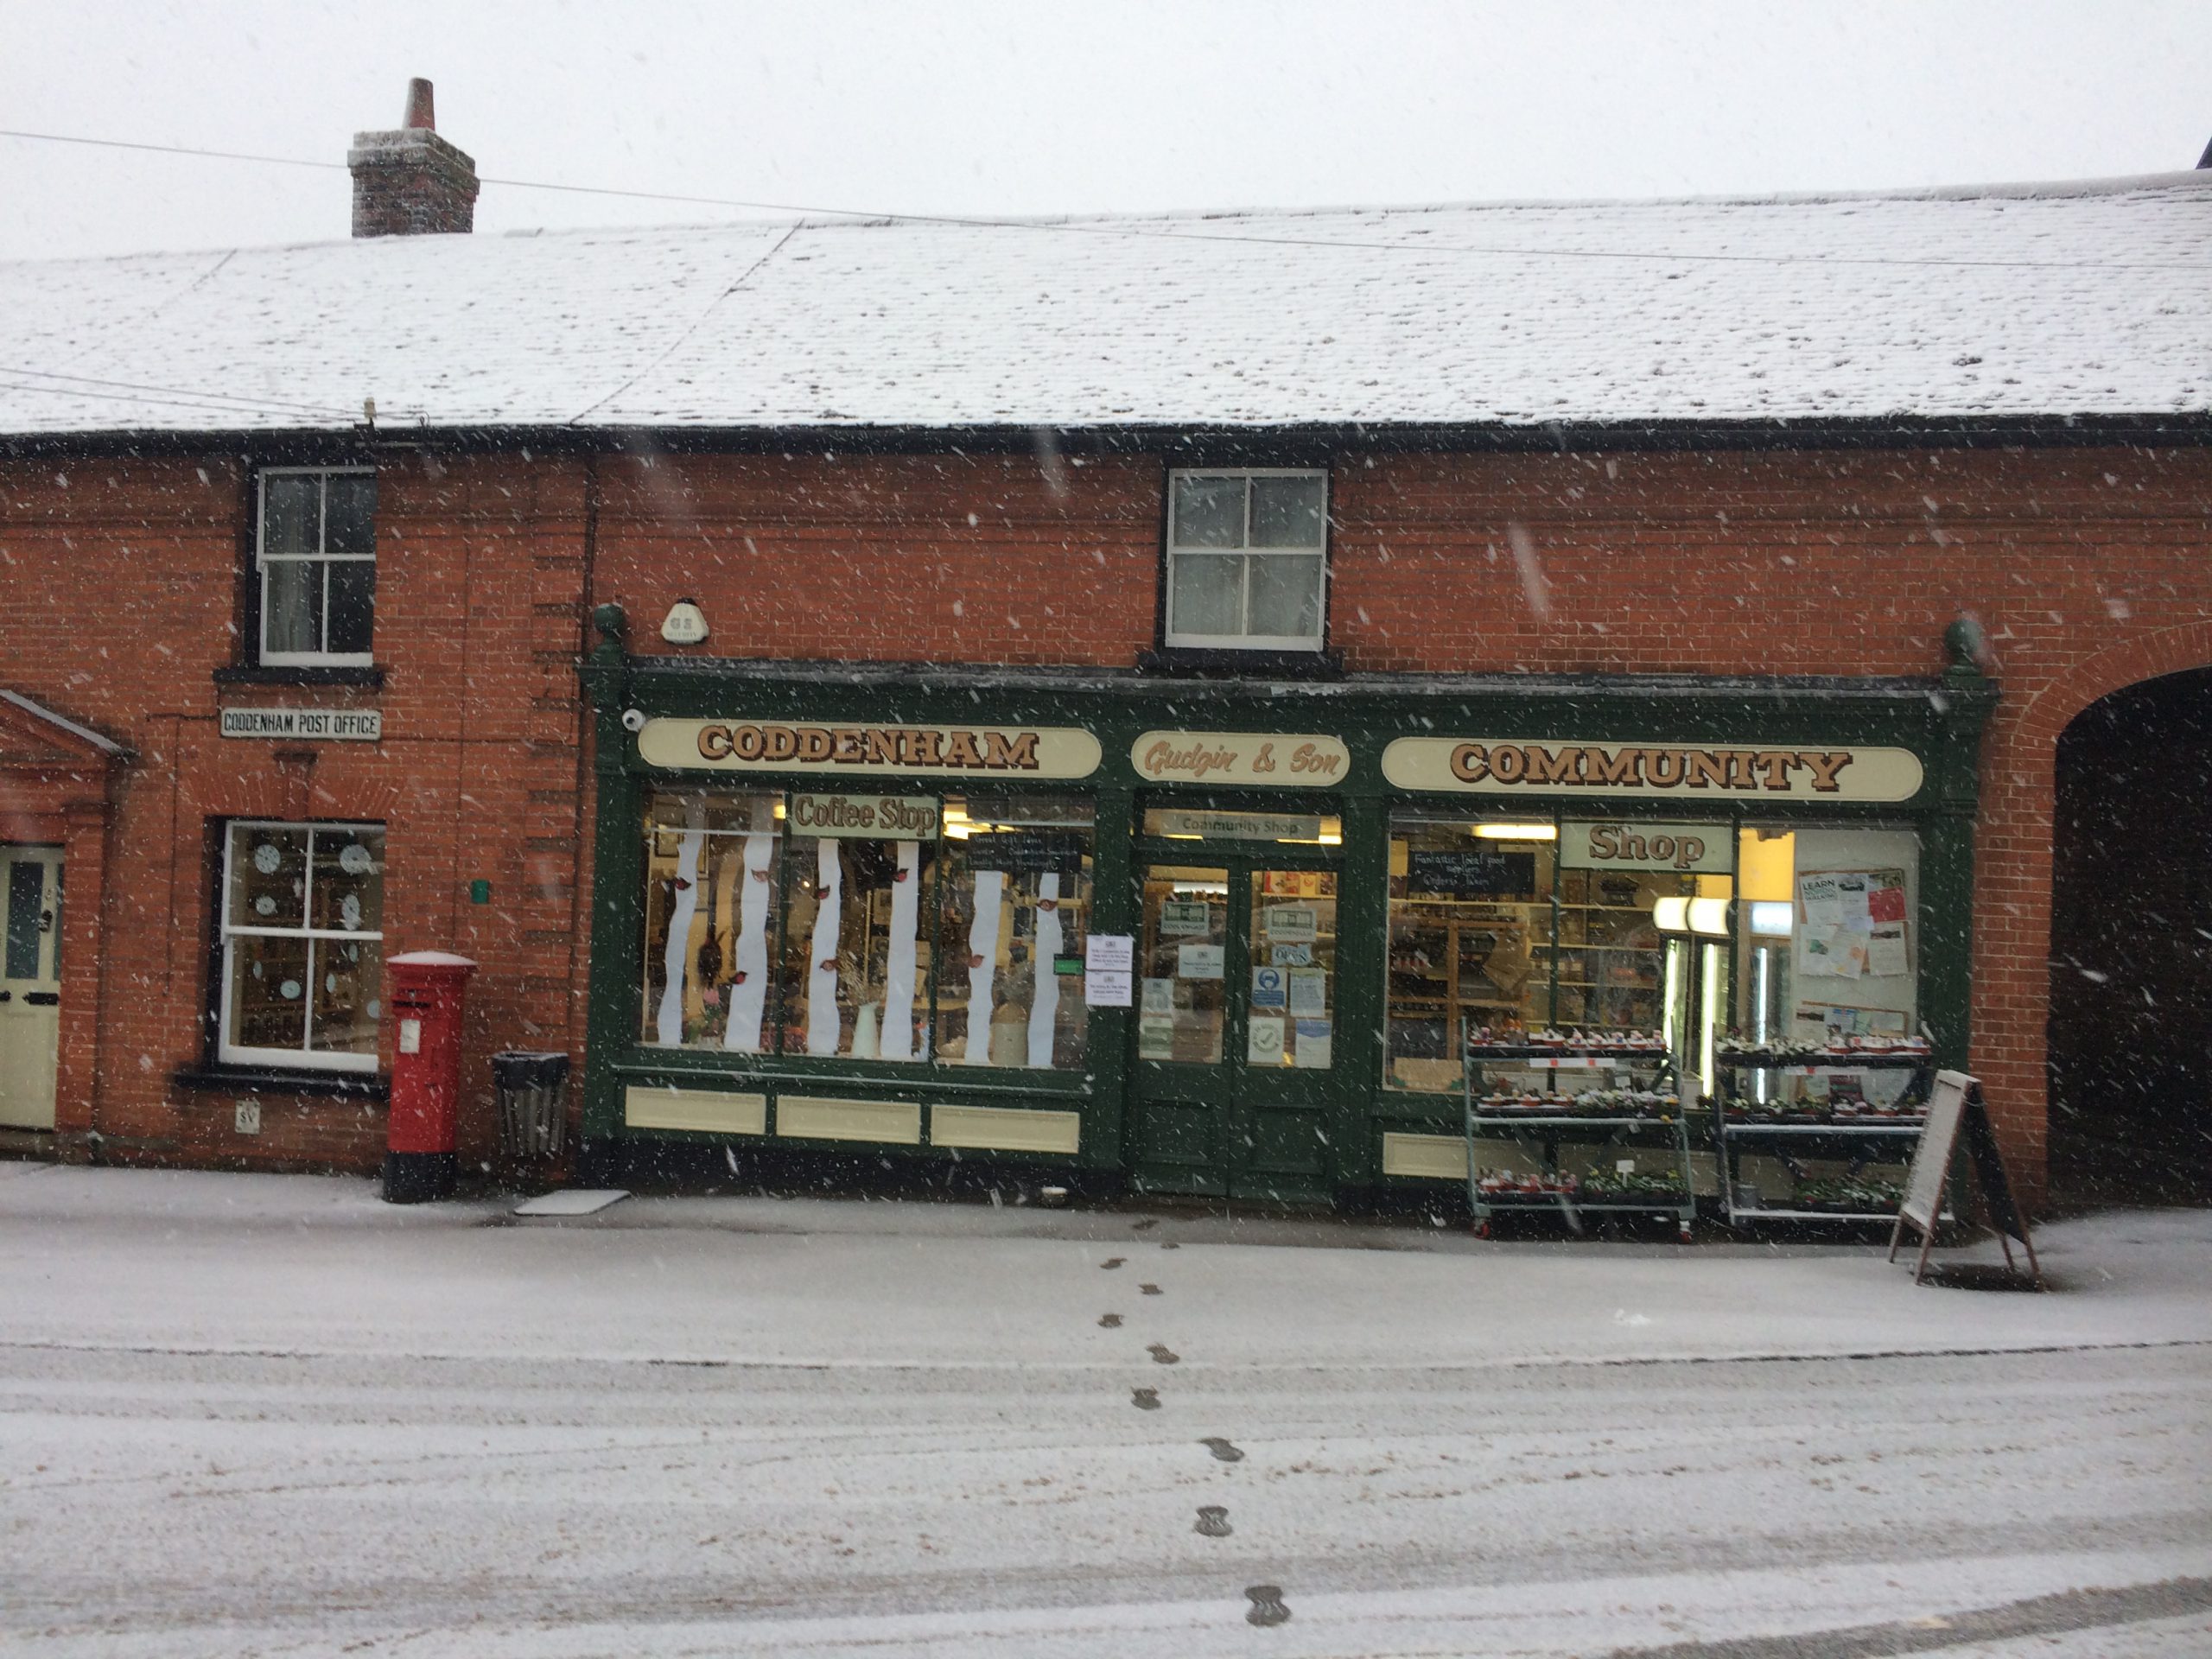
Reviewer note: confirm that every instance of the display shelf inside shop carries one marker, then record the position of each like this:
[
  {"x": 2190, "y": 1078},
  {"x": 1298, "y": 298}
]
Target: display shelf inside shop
[
  {"x": 1648, "y": 1112},
  {"x": 1791, "y": 1127}
]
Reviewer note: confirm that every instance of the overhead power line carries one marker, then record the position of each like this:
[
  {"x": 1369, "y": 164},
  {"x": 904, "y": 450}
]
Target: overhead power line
[{"x": 1160, "y": 233}]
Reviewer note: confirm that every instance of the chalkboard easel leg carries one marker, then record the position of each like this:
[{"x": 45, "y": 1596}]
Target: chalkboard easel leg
[
  {"x": 1926, "y": 1243},
  {"x": 1896, "y": 1231}
]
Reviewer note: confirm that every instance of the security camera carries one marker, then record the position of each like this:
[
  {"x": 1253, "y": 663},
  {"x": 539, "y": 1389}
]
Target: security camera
[{"x": 633, "y": 720}]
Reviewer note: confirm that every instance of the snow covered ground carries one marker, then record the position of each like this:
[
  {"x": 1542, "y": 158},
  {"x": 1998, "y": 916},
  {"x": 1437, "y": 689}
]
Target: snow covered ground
[{"x": 253, "y": 1415}]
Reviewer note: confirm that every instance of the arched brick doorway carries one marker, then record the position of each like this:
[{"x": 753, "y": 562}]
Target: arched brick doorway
[{"x": 2130, "y": 1036}]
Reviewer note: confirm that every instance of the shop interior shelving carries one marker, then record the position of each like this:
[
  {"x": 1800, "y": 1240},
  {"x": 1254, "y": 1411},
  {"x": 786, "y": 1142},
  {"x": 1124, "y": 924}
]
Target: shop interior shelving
[
  {"x": 1439, "y": 950},
  {"x": 1790, "y": 1133},
  {"x": 1650, "y": 1070}
]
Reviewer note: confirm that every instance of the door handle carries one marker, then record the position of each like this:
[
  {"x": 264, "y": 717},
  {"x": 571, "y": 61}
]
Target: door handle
[{"x": 43, "y": 999}]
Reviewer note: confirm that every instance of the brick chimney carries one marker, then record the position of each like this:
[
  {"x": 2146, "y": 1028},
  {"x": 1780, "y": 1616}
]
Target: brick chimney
[{"x": 412, "y": 182}]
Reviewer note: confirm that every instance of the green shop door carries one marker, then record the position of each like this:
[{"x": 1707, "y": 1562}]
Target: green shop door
[{"x": 1236, "y": 1026}]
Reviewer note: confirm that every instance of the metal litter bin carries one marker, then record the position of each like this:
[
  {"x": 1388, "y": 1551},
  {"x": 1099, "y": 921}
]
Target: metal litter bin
[{"x": 533, "y": 1090}]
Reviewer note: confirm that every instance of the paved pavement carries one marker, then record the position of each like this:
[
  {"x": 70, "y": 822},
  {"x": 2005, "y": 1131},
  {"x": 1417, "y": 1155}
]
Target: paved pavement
[{"x": 271, "y": 1416}]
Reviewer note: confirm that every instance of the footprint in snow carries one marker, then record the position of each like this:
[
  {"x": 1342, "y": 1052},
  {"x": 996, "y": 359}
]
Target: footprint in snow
[
  {"x": 1149, "y": 1290},
  {"x": 1112, "y": 1262},
  {"x": 1145, "y": 1399},
  {"x": 1222, "y": 1450},
  {"x": 1162, "y": 1354},
  {"x": 1110, "y": 1320}
]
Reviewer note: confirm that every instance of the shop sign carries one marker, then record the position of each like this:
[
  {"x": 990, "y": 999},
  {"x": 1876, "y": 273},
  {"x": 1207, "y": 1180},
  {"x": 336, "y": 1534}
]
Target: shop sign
[
  {"x": 1238, "y": 826},
  {"x": 956, "y": 751},
  {"x": 326, "y": 725},
  {"x": 1516, "y": 767},
  {"x": 881, "y": 817},
  {"x": 1265, "y": 758},
  {"x": 1702, "y": 847}
]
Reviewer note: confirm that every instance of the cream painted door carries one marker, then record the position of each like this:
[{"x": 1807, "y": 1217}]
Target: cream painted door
[{"x": 30, "y": 984}]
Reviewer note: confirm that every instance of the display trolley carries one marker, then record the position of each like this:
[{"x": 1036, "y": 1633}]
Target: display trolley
[
  {"x": 1611, "y": 1094},
  {"x": 1795, "y": 1103}
]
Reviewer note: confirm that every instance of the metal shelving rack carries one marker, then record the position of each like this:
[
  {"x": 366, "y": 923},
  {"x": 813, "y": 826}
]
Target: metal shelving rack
[
  {"x": 1551, "y": 1129},
  {"x": 1853, "y": 1143}
]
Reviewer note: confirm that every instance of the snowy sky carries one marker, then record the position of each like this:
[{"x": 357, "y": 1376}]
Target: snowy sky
[{"x": 979, "y": 107}]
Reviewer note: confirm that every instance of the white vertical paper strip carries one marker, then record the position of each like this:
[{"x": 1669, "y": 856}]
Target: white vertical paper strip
[
  {"x": 1045, "y": 1005},
  {"x": 822, "y": 980},
  {"x": 677, "y": 961},
  {"x": 983, "y": 963},
  {"x": 898, "y": 1040},
  {"x": 748, "y": 993}
]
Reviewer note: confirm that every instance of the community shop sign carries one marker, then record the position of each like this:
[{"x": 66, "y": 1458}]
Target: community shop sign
[
  {"x": 1516, "y": 766},
  {"x": 955, "y": 751}
]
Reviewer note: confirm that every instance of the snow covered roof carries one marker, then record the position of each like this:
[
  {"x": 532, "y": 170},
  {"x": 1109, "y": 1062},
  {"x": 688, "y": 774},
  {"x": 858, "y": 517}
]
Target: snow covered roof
[{"x": 2090, "y": 299}]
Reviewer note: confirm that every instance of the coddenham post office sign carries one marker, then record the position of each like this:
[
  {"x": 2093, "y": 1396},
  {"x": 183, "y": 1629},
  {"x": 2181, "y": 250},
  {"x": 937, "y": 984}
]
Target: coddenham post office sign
[
  {"x": 958, "y": 751},
  {"x": 324, "y": 725}
]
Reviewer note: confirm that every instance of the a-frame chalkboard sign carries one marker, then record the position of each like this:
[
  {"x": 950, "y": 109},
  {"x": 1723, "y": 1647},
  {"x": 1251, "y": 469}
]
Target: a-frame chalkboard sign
[{"x": 1956, "y": 1104}]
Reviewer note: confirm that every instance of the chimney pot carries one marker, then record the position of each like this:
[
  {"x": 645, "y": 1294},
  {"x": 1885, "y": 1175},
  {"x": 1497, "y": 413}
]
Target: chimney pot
[{"x": 409, "y": 182}]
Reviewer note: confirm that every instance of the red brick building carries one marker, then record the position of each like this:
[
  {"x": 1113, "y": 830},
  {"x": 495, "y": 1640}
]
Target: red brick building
[{"x": 303, "y": 548}]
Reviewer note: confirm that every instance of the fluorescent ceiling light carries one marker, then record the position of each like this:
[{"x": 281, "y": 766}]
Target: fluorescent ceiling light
[
  {"x": 1517, "y": 832},
  {"x": 1671, "y": 913},
  {"x": 1773, "y": 917},
  {"x": 1709, "y": 916}
]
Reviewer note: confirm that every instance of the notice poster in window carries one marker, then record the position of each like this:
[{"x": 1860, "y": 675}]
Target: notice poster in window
[
  {"x": 1884, "y": 896},
  {"x": 1292, "y": 955},
  {"x": 1177, "y": 916},
  {"x": 1885, "y": 953},
  {"x": 1263, "y": 1040},
  {"x": 1309, "y": 992},
  {"x": 1269, "y": 990},
  {"x": 1315, "y": 1045},
  {"x": 1818, "y": 902},
  {"x": 1291, "y": 924},
  {"x": 1156, "y": 1037},
  {"x": 1200, "y": 961},
  {"x": 1160, "y": 996}
]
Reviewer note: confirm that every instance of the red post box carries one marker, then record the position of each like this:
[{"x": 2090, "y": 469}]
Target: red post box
[{"x": 427, "y": 994}]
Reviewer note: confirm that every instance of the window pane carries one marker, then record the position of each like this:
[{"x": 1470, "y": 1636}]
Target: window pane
[
  {"x": 349, "y": 513},
  {"x": 1182, "y": 1006},
  {"x": 712, "y": 875},
  {"x": 1288, "y": 512},
  {"x": 268, "y": 991},
  {"x": 853, "y": 936},
  {"x": 1286, "y": 596},
  {"x": 1471, "y": 943},
  {"x": 347, "y": 893},
  {"x": 287, "y": 513},
  {"x": 346, "y": 973},
  {"x": 291, "y": 605},
  {"x": 352, "y": 593},
  {"x": 26, "y": 897},
  {"x": 1011, "y": 932},
  {"x": 1291, "y": 1020},
  {"x": 1209, "y": 513},
  {"x": 268, "y": 876},
  {"x": 1205, "y": 597}
]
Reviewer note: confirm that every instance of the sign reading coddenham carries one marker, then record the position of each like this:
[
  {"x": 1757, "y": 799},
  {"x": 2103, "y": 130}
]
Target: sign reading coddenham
[
  {"x": 769, "y": 745},
  {"x": 1513, "y": 766}
]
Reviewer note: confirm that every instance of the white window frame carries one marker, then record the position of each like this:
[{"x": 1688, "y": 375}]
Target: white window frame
[
  {"x": 262, "y": 559},
  {"x": 1175, "y": 638},
  {"x": 230, "y": 1053}
]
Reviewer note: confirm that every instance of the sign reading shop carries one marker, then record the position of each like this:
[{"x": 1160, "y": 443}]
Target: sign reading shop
[
  {"x": 1521, "y": 766},
  {"x": 943, "y": 751}
]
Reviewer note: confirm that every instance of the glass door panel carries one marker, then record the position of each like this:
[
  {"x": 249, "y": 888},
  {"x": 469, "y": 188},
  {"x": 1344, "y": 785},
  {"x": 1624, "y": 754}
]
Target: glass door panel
[
  {"x": 1182, "y": 963},
  {"x": 1291, "y": 1018}
]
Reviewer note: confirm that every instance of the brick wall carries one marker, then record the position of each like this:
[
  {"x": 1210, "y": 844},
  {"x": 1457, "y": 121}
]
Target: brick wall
[{"x": 2086, "y": 567}]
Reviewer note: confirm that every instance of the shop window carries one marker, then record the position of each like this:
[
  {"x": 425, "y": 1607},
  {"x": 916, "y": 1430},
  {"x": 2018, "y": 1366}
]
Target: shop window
[
  {"x": 1827, "y": 948},
  {"x": 1015, "y": 907},
  {"x": 303, "y": 944},
  {"x": 864, "y": 925},
  {"x": 1471, "y": 938},
  {"x": 315, "y": 557},
  {"x": 1247, "y": 559},
  {"x": 712, "y": 878}
]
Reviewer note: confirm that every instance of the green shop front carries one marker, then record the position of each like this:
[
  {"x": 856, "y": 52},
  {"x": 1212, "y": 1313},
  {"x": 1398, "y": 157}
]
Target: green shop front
[{"x": 1230, "y": 939}]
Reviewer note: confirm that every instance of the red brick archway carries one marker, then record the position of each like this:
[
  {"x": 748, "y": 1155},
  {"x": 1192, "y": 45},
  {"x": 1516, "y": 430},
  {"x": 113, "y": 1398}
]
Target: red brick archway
[{"x": 2012, "y": 878}]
